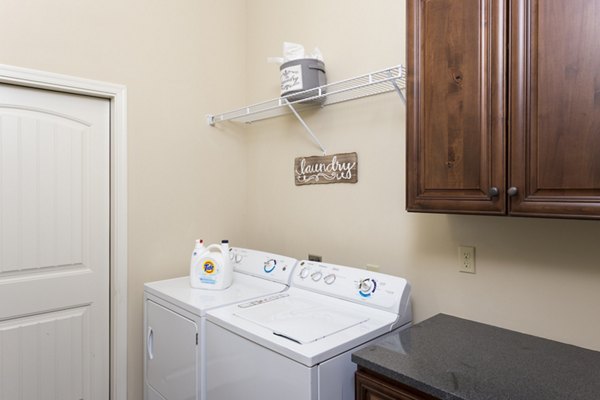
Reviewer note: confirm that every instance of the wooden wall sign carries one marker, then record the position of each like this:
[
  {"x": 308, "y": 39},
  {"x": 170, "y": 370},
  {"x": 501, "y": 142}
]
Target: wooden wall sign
[{"x": 336, "y": 168}]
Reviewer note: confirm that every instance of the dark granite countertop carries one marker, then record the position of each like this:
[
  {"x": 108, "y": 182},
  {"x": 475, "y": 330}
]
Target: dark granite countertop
[{"x": 454, "y": 358}]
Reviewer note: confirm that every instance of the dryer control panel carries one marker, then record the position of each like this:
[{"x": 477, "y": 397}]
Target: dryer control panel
[
  {"x": 264, "y": 265},
  {"x": 387, "y": 292}
]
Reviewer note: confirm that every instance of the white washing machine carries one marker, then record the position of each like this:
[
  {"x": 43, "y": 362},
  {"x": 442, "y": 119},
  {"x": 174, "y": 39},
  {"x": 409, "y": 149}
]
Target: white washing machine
[
  {"x": 174, "y": 318},
  {"x": 297, "y": 346}
]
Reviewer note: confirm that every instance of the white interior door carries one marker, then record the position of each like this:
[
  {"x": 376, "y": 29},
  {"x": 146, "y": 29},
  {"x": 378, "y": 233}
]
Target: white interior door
[{"x": 54, "y": 245}]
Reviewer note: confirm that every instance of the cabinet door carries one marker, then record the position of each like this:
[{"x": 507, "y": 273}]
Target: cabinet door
[
  {"x": 555, "y": 108},
  {"x": 372, "y": 387},
  {"x": 456, "y": 109}
]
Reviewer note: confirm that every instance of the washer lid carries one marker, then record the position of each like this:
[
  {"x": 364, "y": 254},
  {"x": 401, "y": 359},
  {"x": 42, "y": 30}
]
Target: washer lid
[{"x": 300, "y": 319}]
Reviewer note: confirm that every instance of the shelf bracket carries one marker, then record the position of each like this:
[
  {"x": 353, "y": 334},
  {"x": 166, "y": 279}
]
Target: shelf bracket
[
  {"x": 396, "y": 87},
  {"x": 310, "y": 132}
]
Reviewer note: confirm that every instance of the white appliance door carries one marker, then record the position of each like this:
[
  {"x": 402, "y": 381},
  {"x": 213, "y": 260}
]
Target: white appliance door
[
  {"x": 237, "y": 368},
  {"x": 171, "y": 353},
  {"x": 54, "y": 245}
]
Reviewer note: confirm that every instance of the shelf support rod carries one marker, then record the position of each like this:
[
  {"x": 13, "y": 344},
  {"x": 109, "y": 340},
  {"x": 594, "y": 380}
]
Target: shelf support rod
[
  {"x": 310, "y": 132},
  {"x": 399, "y": 92},
  {"x": 397, "y": 88}
]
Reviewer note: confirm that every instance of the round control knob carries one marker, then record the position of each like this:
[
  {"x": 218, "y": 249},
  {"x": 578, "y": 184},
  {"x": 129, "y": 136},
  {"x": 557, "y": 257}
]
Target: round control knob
[
  {"x": 304, "y": 272},
  {"x": 270, "y": 266},
  {"x": 315, "y": 276},
  {"x": 366, "y": 287},
  {"x": 329, "y": 279}
]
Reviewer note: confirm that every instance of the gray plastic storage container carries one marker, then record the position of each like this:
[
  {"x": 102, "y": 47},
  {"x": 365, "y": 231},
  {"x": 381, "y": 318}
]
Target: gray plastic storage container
[{"x": 300, "y": 76}]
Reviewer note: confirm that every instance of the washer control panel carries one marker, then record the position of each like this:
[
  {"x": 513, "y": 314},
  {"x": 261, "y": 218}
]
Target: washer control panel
[
  {"x": 358, "y": 285},
  {"x": 270, "y": 266}
]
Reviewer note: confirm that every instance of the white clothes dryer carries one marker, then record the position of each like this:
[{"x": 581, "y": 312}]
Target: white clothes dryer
[
  {"x": 298, "y": 345},
  {"x": 174, "y": 318}
]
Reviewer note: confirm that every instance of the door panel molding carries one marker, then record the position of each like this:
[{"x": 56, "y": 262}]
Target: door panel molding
[
  {"x": 29, "y": 274},
  {"x": 117, "y": 94},
  {"x": 44, "y": 334},
  {"x": 50, "y": 113},
  {"x": 44, "y": 158}
]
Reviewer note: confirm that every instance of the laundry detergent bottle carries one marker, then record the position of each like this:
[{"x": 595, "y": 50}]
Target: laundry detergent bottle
[{"x": 211, "y": 267}]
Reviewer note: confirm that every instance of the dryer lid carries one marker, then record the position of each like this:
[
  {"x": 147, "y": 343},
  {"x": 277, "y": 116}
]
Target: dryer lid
[{"x": 301, "y": 319}]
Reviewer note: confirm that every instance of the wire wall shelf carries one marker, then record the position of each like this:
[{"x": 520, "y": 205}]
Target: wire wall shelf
[
  {"x": 379, "y": 82},
  {"x": 384, "y": 81}
]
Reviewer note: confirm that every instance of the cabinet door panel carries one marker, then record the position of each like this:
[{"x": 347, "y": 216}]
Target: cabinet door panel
[
  {"x": 555, "y": 108},
  {"x": 455, "y": 128},
  {"x": 370, "y": 386}
]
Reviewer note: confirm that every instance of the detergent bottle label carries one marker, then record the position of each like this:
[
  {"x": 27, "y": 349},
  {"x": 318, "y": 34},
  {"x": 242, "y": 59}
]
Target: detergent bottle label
[
  {"x": 208, "y": 272},
  {"x": 209, "y": 267}
]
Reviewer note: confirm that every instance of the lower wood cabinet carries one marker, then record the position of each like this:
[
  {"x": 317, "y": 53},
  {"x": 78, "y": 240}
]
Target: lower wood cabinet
[{"x": 372, "y": 386}]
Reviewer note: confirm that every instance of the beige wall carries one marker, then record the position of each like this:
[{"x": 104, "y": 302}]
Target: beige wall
[
  {"x": 179, "y": 60},
  {"x": 538, "y": 276}
]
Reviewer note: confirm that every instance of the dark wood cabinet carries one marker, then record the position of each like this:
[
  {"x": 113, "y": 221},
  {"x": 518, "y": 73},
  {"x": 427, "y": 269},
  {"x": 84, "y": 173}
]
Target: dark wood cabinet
[
  {"x": 372, "y": 386},
  {"x": 555, "y": 107},
  {"x": 504, "y": 107},
  {"x": 455, "y": 101}
]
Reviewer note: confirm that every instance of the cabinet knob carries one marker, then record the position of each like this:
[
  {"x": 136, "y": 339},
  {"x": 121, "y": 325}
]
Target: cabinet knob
[
  {"x": 512, "y": 191},
  {"x": 493, "y": 191}
]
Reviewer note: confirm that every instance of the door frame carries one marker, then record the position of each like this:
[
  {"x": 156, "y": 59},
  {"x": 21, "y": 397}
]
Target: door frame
[{"x": 117, "y": 94}]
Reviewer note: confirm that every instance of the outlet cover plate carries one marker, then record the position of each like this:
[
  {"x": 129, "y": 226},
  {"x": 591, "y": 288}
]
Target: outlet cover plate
[
  {"x": 372, "y": 267},
  {"x": 466, "y": 259}
]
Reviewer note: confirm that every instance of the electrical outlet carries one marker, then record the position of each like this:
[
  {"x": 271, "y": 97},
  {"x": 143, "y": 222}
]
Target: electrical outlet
[
  {"x": 372, "y": 267},
  {"x": 313, "y": 257},
  {"x": 466, "y": 259}
]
